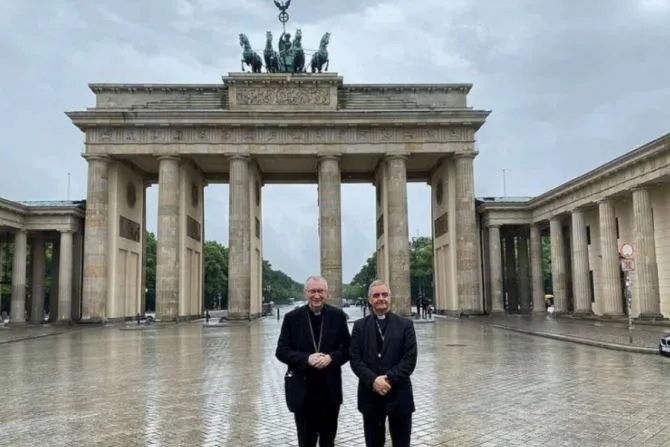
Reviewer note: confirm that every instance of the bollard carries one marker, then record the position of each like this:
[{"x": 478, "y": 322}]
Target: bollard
[
  {"x": 139, "y": 319},
  {"x": 277, "y": 314}
]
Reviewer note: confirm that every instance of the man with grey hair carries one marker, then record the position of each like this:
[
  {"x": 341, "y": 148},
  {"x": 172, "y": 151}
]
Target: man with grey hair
[
  {"x": 383, "y": 355},
  {"x": 314, "y": 344}
]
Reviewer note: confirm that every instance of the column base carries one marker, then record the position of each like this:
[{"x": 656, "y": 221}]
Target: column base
[
  {"x": 92, "y": 320},
  {"x": 651, "y": 317},
  {"x": 241, "y": 316},
  {"x": 63, "y": 323},
  {"x": 613, "y": 316},
  {"x": 582, "y": 314}
]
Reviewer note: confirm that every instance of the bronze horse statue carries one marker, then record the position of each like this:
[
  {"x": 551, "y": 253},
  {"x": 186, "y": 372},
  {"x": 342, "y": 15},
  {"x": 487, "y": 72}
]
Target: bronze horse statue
[
  {"x": 320, "y": 57},
  {"x": 249, "y": 56}
]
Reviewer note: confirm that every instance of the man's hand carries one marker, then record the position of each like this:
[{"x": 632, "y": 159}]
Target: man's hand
[
  {"x": 381, "y": 385},
  {"x": 319, "y": 360}
]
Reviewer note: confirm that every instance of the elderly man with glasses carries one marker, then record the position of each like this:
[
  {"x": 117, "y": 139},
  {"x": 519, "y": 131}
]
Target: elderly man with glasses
[{"x": 314, "y": 344}]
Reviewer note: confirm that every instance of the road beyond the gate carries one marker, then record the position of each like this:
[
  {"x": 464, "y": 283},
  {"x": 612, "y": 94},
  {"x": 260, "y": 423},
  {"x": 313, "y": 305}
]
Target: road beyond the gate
[{"x": 475, "y": 385}]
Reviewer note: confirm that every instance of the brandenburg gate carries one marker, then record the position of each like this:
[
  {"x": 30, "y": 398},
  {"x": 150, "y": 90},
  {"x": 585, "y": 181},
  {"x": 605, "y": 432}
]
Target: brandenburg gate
[{"x": 255, "y": 129}]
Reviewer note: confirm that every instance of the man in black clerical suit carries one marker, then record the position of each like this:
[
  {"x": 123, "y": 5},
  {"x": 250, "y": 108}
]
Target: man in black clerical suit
[
  {"x": 314, "y": 344},
  {"x": 383, "y": 355}
]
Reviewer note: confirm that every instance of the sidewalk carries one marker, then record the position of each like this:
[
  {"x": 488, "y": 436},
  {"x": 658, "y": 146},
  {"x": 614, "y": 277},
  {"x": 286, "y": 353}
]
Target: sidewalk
[
  {"x": 610, "y": 335},
  {"x": 10, "y": 334}
]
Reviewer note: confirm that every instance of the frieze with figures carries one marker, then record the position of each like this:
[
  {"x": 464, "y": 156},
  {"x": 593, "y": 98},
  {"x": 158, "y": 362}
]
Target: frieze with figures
[
  {"x": 282, "y": 96},
  {"x": 278, "y": 135}
]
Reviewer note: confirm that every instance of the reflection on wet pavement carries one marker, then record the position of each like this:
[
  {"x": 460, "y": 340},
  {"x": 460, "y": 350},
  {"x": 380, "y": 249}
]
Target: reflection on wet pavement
[{"x": 185, "y": 385}]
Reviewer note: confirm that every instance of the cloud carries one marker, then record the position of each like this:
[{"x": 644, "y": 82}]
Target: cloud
[{"x": 571, "y": 85}]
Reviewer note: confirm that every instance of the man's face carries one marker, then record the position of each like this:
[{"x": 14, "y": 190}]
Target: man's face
[
  {"x": 315, "y": 293},
  {"x": 380, "y": 299}
]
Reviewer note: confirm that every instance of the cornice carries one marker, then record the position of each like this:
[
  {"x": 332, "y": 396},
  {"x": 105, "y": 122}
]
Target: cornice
[
  {"x": 612, "y": 167},
  {"x": 155, "y": 88},
  {"x": 115, "y": 88},
  {"x": 215, "y": 118},
  {"x": 408, "y": 88}
]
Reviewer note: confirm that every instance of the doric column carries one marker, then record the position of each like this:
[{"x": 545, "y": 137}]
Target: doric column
[
  {"x": 646, "y": 268},
  {"x": 580, "y": 265},
  {"x": 511, "y": 276},
  {"x": 17, "y": 307},
  {"x": 330, "y": 225},
  {"x": 143, "y": 299},
  {"x": 467, "y": 258},
  {"x": 610, "y": 267},
  {"x": 239, "y": 240},
  {"x": 495, "y": 262},
  {"x": 557, "y": 264},
  {"x": 536, "y": 274},
  {"x": 37, "y": 259},
  {"x": 524, "y": 277},
  {"x": 96, "y": 241},
  {"x": 65, "y": 277},
  {"x": 167, "y": 252},
  {"x": 54, "y": 270},
  {"x": 398, "y": 233}
]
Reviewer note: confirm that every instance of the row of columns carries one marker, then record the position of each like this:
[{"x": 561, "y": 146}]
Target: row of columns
[
  {"x": 575, "y": 262},
  {"x": 61, "y": 279}
]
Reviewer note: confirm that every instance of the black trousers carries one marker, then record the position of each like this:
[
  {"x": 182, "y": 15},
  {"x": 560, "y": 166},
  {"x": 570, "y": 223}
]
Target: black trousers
[
  {"x": 374, "y": 426},
  {"x": 317, "y": 422}
]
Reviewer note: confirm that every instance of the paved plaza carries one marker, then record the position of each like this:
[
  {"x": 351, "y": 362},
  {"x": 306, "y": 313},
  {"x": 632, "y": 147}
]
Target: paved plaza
[{"x": 475, "y": 385}]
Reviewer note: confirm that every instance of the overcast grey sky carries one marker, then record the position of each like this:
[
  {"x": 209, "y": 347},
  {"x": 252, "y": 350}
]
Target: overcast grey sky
[{"x": 571, "y": 85}]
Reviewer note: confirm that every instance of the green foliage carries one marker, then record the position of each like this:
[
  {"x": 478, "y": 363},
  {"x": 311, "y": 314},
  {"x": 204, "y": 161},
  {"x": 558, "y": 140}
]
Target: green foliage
[
  {"x": 277, "y": 286},
  {"x": 546, "y": 264},
  {"x": 421, "y": 271}
]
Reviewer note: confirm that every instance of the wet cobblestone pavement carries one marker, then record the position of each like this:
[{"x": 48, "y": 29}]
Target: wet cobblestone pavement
[{"x": 183, "y": 385}]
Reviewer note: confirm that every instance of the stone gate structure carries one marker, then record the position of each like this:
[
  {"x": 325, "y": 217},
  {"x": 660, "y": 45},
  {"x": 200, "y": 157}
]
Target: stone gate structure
[{"x": 257, "y": 129}]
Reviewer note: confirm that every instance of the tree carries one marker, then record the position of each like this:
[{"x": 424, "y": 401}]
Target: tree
[
  {"x": 421, "y": 271},
  {"x": 546, "y": 264},
  {"x": 421, "y": 267},
  {"x": 277, "y": 286},
  {"x": 150, "y": 273},
  {"x": 216, "y": 274}
]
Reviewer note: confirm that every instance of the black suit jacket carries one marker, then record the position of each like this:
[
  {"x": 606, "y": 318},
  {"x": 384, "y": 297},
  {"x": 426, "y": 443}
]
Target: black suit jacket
[
  {"x": 397, "y": 362},
  {"x": 295, "y": 346}
]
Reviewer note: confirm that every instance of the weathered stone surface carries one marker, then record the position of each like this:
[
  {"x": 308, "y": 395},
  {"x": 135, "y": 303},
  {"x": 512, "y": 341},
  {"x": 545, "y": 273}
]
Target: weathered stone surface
[
  {"x": 167, "y": 250},
  {"x": 330, "y": 225}
]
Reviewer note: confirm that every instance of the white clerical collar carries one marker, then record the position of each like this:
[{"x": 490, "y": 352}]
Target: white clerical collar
[{"x": 381, "y": 317}]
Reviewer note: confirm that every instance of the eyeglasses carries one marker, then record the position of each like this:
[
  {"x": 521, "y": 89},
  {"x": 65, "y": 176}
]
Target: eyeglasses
[
  {"x": 315, "y": 291},
  {"x": 378, "y": 294}
]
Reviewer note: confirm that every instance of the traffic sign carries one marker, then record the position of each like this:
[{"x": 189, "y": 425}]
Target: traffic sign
[
  {"x": 626, "y": 250},
  {"x": 628, "y": 265}
]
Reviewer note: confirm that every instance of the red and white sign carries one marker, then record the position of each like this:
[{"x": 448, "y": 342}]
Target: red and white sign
[
  {"x": 628, "y": 265},
  {"x": 626, "y": 250}
]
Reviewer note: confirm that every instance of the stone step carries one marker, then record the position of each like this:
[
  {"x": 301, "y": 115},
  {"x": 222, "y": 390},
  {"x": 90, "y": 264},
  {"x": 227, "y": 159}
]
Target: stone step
[
  {"x": 211, "y": 101},
  {"x": 373, "y": 101}
]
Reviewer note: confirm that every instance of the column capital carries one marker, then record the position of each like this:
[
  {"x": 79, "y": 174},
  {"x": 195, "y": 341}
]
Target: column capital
[
  {"x": 489, "y": 226},
  {"x": 639, "y": 188},
  {"x": 395, "y": 156},
  {"x": 245, "y": 157},
  {"x": 169, "y": 157},
  {"x": 96, "y": 157},
  {"x": 604, "y": 200},
  {"x": 67, "y": 230},
  {"x": 467, "y": 154},
  {"x": 577, "y": 210},
  {"x": 329, "y": 157}
]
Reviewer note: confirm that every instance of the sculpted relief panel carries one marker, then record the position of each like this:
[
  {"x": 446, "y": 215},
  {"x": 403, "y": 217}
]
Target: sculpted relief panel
[
  {"x": 277, "y": 135},
  {"x": 282, "y": 96}
]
